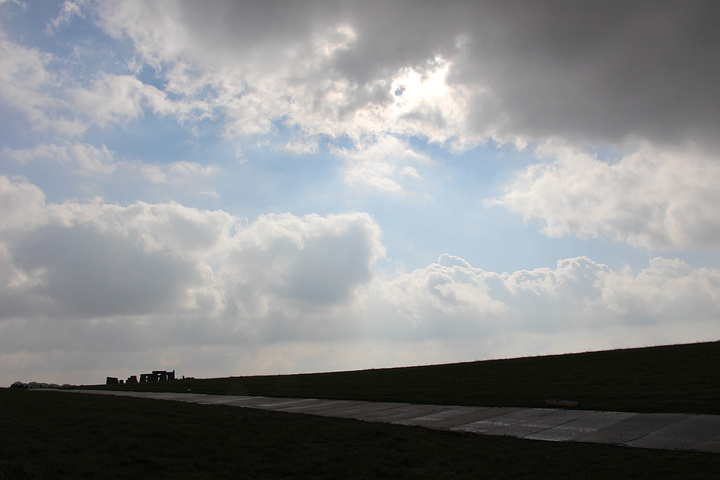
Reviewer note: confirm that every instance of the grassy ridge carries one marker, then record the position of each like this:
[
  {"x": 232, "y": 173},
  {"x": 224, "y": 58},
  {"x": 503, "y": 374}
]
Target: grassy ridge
[
  {"x": 51, "y": 435},
  {"x": 677, "y": 378}
]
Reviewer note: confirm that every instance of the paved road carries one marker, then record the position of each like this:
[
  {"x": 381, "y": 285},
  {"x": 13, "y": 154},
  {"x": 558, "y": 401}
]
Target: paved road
[{"x": 669, "y": 431}]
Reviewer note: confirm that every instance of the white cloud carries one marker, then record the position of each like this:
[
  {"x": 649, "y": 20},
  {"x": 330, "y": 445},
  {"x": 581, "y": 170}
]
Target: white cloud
[
  {"x": 451, "y": 300},
  {"x": 667, "y": 288},
  {"x": 80, "y": 158},
  {"x": 34, "y": 83},
  {"x": 68, "y": 10},
  {"x": 434, "y": 108},
  {"x": 652, "y": 198},
  {"x": 90, "y": 260},
  {"x": 174, "y": 280},
  {"x": 19, "y": 3},
  {"x": 23, "y": 204},
  {"x": 100, "y": 168},
  {"x": 119, "y": 99},
  {"x": 174, "y": 284},
  {"x": 27, "y": 86},
  {"x": 176, "y": 172},
  {"x": 383, "y": 165}
]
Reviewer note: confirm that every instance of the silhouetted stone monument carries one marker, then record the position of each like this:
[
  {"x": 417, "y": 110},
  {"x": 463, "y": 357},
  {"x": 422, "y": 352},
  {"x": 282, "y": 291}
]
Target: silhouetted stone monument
[{"x": 157, "y": 376}]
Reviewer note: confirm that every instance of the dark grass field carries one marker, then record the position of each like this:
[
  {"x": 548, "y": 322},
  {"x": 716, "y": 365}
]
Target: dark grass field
[
  {"x": 45, "y": 434},
  {"x": 49, "y": 435},
  {"x": 668, "y": 379}
]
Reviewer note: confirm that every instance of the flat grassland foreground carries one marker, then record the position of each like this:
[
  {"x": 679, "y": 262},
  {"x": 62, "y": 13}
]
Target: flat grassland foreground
[
  {"x": 661, "y": 431},
  {"x": 65, "y": 435}
]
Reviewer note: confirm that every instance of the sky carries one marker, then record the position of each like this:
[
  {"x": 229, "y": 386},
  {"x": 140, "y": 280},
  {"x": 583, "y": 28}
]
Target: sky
[{"x": 267, "y": 187}]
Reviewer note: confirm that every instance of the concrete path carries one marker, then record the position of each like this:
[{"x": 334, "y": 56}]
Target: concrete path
[{"x": 668, "y": 431}]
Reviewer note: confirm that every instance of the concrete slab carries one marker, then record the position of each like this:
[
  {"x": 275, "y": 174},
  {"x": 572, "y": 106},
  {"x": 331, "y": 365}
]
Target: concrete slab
[
  {"x": 268, "y": 402},
  {"x": 347, "y": 409},
  {"x": 284, "y": 404},
  {"x": 412, "y": 411},
  {"x": 385, "y": 411},
  {"x": 225, "y": 399},
  {"x": 661, "y": 431},
  {"x": 456, "y": 418},
  {"x": 451, "y": 412},
  {"x": 690, "y": 433},
  {"x": 247, "y": 402},
  {"x": 334, "y": 408},
  {"x": 539, "y": 423},
  {"x": 483, "y": 415},
  {"x": 449, "y": 416},
  {"x": 585, "y": 425},
  {"x": 501, "y": 424},
  {"x": 366, "y": 409},
  {"x": 560, "y": 417},
  {"x": 161, "y": 396},
  {"x": 181, "y": 397},
  {"x": 320, "y": 406},
  {"x": 209, "y": 399},
  {"x": 632, "y": 428}
]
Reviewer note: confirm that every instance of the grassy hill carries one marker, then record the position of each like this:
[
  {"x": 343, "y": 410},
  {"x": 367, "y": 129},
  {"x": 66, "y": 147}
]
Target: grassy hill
[
  {"x": 48, "y": 434},
  {"x": 55, "y": 435},
  {"x": 677, "y": 378}
]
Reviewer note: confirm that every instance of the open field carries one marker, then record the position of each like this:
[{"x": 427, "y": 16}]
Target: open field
[
  {"x": 64, "y": 435},
  {"x": 668, "y": 379}
]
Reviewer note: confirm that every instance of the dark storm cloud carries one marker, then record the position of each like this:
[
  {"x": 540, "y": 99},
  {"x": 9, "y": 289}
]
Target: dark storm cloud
[
  {"x": 586, "y": 71},
  {"x": 602, "y": 70},
  {"x": 86, "y": 273}
]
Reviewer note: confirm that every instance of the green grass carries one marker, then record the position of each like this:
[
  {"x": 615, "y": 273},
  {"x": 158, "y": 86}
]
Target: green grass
[
  {"x": 50, "y": 435},
  {"x": 678, "y": 378}
]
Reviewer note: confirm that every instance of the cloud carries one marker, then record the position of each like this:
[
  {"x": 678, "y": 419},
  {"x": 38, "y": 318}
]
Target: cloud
[
  {"x": 605, "y": 73},
  {"x": 99, "y": 168},
  {"x": 298, "y": 77},
  {"x": 383, "y": 165},
  {"x": 88, "y": 274},
  {"x": 114, "y": 99},
  {"x": 68, "y": 10},
  {"x": 623, "y": 74},
  {"x": 652, "y": 198},
  {"x": 218, "y": 293},
  {"x": 614, "y": 72},
  {"x": 168, "y": 281},
  {"x": 96, "y": 260},
  {"x": 29, "y": 87},
  {"x": 668, "y": 288},
  {"x": 80, "y": 158},
  {"x": 78, "y": 261},
  {"x": 176, "y": 171},
  {"x": 638, "y": 77},
  {"x": 609, "y": 72},
  {"x": 34, "y": 83},
  {"x": 451, "y": 301}
]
